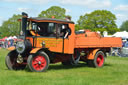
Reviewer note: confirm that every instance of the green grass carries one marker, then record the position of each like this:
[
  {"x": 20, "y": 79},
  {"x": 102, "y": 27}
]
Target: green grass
[{"x": 115, "y": 72}]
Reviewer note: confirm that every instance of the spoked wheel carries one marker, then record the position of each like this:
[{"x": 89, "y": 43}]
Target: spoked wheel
[
  {"x": 98, "y": 60},
  {"x": 11, "y": 61},
  {"x": 38, "y": 62}
]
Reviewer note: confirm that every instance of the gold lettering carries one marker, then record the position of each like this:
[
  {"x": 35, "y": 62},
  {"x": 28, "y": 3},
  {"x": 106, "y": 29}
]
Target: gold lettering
[{"x": 49, "y": 42}]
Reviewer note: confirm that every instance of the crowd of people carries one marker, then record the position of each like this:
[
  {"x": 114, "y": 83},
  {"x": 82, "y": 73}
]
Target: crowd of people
[{"x": 7, "y": 42}]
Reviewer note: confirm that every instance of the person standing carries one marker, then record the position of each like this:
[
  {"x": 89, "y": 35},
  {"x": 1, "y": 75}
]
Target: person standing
[{"x": 11, "y": 42}]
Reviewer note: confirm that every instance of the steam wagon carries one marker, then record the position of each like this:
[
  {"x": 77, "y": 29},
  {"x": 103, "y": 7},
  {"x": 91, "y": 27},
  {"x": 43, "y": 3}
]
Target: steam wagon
[{"x": 49, "y": 40}]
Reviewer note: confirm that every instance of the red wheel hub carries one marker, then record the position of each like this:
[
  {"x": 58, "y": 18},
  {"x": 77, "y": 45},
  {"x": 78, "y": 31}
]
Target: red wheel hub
[
  {"x": 39, "y": 63},
  {"x": 100, "y": 60}
]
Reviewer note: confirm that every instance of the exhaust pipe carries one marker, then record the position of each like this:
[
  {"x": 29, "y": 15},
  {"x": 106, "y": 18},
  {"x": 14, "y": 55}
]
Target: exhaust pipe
[{"x": 24, "y": 23}]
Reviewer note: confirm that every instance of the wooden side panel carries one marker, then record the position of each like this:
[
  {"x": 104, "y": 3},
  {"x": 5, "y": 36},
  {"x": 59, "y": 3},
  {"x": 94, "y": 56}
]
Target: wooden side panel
[
  {"x": 53, "y": 44},
  {"x": 92, "y": 42},
  {"x": 111, "y": 42}
]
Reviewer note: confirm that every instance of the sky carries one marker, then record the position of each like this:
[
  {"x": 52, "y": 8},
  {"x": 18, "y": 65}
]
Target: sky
[{"x": 75, "y": 8}]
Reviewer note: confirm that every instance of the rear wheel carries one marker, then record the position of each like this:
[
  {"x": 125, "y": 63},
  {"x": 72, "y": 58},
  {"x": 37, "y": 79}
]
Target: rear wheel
[
  {"x": 98, "y": 60},
  {"x": 38, "y": 62},
  {"x": 11, "y": 61}
]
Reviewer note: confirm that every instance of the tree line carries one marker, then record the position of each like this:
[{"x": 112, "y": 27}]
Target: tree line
[{"x": 98, "y": 20}]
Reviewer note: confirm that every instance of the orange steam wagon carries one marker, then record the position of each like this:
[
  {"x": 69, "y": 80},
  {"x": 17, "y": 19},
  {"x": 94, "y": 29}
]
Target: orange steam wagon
[{"x": 46, "y": 41}]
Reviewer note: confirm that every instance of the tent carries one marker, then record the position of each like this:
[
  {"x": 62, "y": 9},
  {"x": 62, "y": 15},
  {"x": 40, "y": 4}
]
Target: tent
[
  {"x": 123, "y": 34},
  {"x": 4, "y": 38},
  {"x": 14, "y": 37}
]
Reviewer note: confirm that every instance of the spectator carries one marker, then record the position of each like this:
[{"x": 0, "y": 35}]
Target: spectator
[
  {"x": 123, "y": 43},
  {"x": 6, "y": 44},
  {"x": 11, "y": 42}
]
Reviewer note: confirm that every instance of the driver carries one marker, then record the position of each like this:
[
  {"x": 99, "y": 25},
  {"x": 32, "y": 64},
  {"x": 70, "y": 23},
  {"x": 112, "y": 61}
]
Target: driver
[
  {"x": 65, "y": 32},
  {"x": 33, "y": 33}
]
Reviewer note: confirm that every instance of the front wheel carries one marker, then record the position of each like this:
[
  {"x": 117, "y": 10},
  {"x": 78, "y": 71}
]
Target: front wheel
[
  {"x": 11, "y": 61},
  {"x": 38, "y": 62},
  {"x": 98, "y": 60}
]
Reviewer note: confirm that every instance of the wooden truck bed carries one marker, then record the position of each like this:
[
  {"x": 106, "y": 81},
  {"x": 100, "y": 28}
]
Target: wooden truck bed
[{"x": 93, "y": 39}]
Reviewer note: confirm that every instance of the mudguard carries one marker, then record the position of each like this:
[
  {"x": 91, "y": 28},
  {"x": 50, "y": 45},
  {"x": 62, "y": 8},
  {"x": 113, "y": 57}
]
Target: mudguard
[
  {"x": 35, "y": 50},
  {"x": 91, "y": 54}
]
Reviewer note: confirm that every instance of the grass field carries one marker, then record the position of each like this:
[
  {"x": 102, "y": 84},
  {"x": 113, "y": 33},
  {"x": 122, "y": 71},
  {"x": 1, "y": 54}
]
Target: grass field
[{"x": 115, "y": 72}]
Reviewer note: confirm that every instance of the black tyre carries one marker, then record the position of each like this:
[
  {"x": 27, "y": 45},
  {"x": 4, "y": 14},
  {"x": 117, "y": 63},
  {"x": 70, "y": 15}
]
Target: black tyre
[
  {"x": 11, "y": 61},
  {"x": 98, "y": 61},
  {"x": 38, "y": 62}
]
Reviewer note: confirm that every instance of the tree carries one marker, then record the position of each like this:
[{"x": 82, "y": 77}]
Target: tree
[
  {"x": 56, "y": 11},
  {"x": 124, "y": 26},
  {"x": 11, "y": 26},
  {"x": 98, "y": 20}
]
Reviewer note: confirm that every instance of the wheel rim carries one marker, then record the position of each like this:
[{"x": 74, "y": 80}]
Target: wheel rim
[
  {"x": 39, "y": 63},
  {"x": 100, "y": 60}
]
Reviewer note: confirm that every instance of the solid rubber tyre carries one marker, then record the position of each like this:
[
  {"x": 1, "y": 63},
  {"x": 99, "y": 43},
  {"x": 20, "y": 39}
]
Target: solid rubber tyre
[
  {"x": 11, "y": 61},
  {"x": 38, "y": 62},
  {"x": 98, "y": 61}
]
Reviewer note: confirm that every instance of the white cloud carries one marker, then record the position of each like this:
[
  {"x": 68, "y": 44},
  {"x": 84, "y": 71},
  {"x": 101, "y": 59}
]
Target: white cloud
[
  {"x": 121, "y": 18},
  {"x": 68, "y": 10},
  {"x": 121, "y": 8},
  {"x": 27, "y": 10},
  {"x": 88, "y": 3},
  {"x": 30, "y": 11},
  {"x": 29, "y": 1},
  {"x": 23, "y": 9},
  {"x": 88, "y": 12}
]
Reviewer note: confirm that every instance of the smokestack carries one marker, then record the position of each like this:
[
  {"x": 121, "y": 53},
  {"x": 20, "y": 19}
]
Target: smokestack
[{"x": 24, "y": 22}]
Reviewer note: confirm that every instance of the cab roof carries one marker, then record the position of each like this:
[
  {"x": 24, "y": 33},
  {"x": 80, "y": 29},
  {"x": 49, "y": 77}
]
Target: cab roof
[{"x": 38, "y": 19}]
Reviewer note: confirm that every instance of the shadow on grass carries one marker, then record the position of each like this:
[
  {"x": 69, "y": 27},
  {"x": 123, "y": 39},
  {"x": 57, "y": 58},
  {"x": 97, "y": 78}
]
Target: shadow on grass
[
  {"x": 107, "y": 65},
  {"x": 80, "y": 65},
  {"x": 60, "y": 66}
]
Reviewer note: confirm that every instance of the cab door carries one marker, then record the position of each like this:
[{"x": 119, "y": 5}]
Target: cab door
[{"x": 50, "y": 38}]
